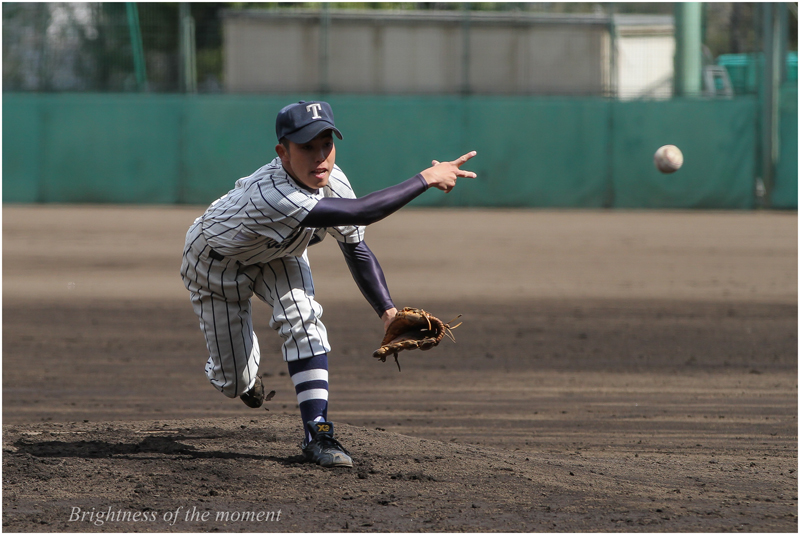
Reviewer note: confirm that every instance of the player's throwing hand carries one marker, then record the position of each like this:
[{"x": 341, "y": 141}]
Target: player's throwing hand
[{"x": 443, "y": 175}]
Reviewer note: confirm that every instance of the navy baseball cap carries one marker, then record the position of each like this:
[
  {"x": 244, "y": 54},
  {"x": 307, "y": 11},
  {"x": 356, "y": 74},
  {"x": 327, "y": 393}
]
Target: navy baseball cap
[{"x": 303, "y": 121}]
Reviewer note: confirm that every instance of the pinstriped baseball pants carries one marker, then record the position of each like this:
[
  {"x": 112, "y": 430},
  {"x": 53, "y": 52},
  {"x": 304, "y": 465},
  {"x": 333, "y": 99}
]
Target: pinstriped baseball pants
[{"x": 221, "y": 292}]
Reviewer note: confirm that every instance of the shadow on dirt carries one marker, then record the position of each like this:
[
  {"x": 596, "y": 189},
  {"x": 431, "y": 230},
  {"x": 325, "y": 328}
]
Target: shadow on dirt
[{"x": 160, "y": 445}]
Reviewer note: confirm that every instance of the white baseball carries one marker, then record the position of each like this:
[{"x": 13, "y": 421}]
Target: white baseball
[{"x": 668, "y": 159}]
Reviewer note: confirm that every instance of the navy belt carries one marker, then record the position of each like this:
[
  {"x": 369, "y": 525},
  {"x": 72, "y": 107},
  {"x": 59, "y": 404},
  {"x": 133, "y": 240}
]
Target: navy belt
[{"x": 215, "y": 255}]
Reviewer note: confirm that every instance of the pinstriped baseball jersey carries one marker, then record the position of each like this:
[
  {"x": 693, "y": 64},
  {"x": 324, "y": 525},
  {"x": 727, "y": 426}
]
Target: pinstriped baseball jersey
[
  {"x": 259, "y": 219},
  {"x": 255, "y": 230}
]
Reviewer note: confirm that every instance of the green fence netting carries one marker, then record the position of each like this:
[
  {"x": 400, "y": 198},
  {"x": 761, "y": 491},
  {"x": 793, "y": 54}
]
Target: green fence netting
[{"x": 532, "y": 152}]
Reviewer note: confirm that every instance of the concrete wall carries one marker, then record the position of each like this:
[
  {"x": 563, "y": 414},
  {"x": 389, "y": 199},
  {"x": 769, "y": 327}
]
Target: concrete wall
[
  {"x": 394, "y": 58},
  {"x": 414, "y": 52},
  {"x": 645, "y": 61},
  {"x": 281, "y": 56}
]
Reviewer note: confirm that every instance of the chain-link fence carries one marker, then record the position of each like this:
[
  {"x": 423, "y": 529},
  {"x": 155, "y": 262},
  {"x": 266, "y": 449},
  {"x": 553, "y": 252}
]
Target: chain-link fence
[{"x": 172, "y": 47}]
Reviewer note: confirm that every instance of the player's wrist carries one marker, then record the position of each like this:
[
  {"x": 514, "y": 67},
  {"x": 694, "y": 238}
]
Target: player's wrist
[
  {"x": 429, "y": 176},
  {"x": 423, "y": 180}
]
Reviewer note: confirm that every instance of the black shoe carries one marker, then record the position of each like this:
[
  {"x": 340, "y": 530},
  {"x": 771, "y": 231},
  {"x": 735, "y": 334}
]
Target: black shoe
[
  {"x": 255, "y": 397},
  {"x": 323, "y": 449}
]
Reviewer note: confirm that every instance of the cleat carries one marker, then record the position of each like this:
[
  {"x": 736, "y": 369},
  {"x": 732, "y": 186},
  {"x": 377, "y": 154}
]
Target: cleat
[
  {"x": 323, "y": 449},
  {"x": 255, "y": 397}
]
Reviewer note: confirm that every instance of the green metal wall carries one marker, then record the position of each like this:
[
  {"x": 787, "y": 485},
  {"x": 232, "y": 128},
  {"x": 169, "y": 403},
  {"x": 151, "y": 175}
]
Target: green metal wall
[
  {"x": 532, "y": 152},
  {"x": 718, "y": 141}
]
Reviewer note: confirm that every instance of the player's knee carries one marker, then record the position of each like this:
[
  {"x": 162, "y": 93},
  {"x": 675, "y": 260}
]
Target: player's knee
[{"x": 234, "y": 374}]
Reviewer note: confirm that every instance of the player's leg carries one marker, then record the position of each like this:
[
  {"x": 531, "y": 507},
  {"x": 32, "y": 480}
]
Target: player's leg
[
  {"x": 310, "y": 379},
  {"x": 220, "y": 293},
  {"x": 289, "y": 288},
  {"x": 234, "y": 353}
]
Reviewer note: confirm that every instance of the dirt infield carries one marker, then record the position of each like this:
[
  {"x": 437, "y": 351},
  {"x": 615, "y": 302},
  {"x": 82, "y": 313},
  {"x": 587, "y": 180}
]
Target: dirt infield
[{"x": 616, "y": 371}]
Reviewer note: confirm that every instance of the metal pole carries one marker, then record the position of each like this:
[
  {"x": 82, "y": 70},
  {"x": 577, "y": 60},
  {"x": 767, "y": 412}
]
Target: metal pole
[
  {"x": 613, "y": 80},
  {"x": 781, "y": 38},
  {"x": 43, "y": 20},
  {"x": 136, "y": 45},
  {"x": 324, "y": 48},
  {"x": 192, "y": 63},
  {"x": 188, "y": 72},
  {"x": 768, "y": 105},
  {"x": 775, "y": 35},
  {"x": 465, "y": 52},
  {"x": 182, "y": 52},
  {"x": 688, "y": 48}
]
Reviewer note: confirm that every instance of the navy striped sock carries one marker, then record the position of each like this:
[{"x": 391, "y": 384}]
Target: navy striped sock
[{"x": 310, "y": 378}]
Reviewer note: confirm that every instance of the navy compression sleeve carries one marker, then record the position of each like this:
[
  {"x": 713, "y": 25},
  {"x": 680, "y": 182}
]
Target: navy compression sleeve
[
  {"x": 333, "y": 212},
  {"x": 368, "y": 275}
]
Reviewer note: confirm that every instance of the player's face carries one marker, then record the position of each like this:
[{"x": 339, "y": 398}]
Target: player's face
[{"x": 310, "y": 163}]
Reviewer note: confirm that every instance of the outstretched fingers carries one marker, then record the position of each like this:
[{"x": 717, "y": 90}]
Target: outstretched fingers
[
  {"x": 443, "y": 175},
  {"x": 458, "y": 162},
  {"x": 465, "y": 158},
  {"x": 461, "y": 161}
]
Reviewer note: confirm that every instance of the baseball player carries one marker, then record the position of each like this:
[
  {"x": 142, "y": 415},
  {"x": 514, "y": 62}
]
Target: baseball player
[{"x": 254, "y": 241}]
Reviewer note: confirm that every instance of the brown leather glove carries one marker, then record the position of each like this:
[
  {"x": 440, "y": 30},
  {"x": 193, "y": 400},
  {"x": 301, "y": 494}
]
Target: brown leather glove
[{"x": 413, "y": 328}]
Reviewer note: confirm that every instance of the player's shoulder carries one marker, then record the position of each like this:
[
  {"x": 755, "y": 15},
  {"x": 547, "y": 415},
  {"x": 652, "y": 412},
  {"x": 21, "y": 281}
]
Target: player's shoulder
[
  {"x": 273, "y": 174},
  {"x": 338, "y": 181},
  {"x": 264, "y": 173},
  {"x": 272, "y": 168},
  {"x": 338, "y": 174}
]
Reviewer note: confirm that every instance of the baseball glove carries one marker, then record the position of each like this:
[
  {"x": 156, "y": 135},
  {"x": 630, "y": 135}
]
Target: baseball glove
[{"x": 413, "y": 328}]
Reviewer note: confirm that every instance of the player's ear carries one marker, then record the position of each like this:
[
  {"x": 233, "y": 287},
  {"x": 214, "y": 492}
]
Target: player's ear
[{"x": 282, "y": 148}]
